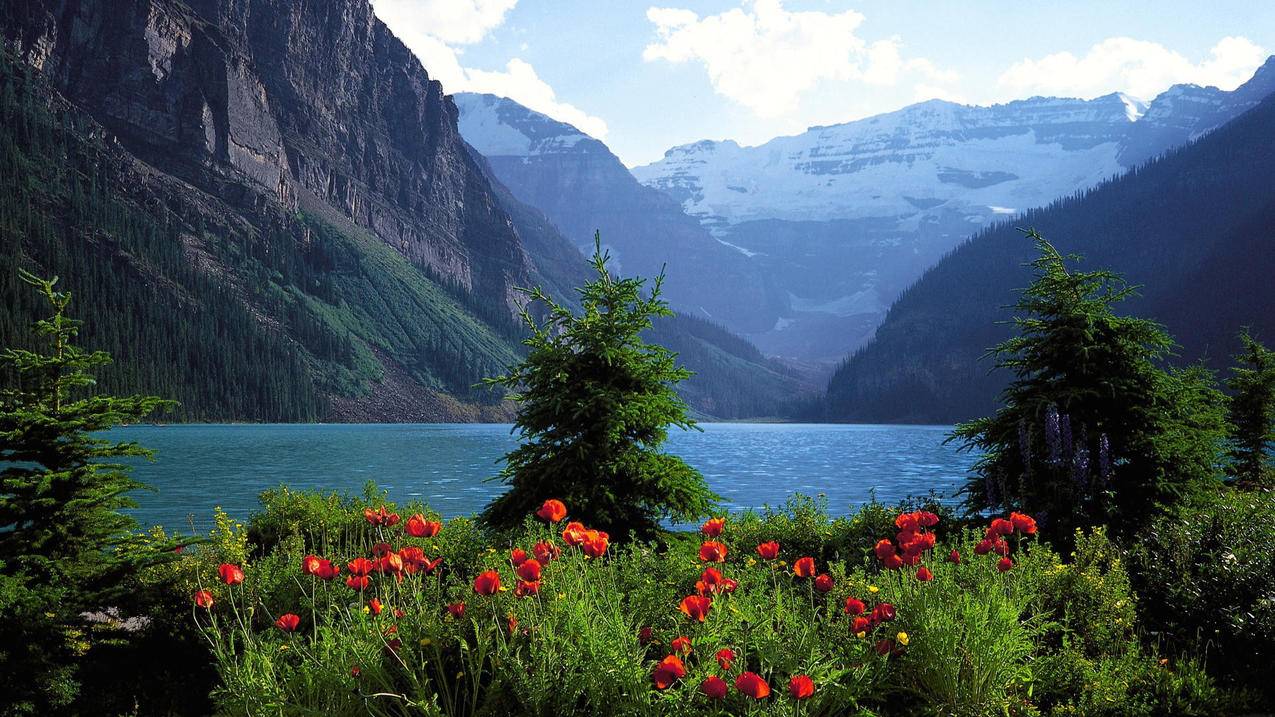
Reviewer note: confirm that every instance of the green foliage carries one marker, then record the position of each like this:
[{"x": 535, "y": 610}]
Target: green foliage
[
  {"x": 1093, "y": 429},
  {"x": 61, "y": 490},
  {"x": 1252, "y": 381},
  {"x": 1207, "y": 576},
  {"x": 595, "y": 404}
]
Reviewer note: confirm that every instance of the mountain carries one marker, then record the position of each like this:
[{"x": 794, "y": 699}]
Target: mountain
[
  {"x": 1196, "y": 228},
  {"x": 843, "y": 218},
  {"x": 582, "y": 188}
]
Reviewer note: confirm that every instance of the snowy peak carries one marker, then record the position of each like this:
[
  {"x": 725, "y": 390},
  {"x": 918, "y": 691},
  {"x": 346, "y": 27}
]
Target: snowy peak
[{"x": 500, "y": 127}]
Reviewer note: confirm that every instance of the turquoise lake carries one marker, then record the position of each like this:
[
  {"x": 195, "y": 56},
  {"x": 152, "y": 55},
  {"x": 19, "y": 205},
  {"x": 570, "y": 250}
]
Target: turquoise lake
[{"x": 199, "y": 467}]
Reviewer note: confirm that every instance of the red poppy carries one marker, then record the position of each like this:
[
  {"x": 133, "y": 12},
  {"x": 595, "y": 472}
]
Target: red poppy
[
  {"x": 1000, "y": 526},
  {"x": 418, "y": 527},
  {"x": 487, "y": 583},
  {"x": 713, "y": 687},
  {"x": 645, "y": 635},
  {"x": 695, "y": 607},
  {"x": 511, "y": 622},
  {"x": 884, "y": 549},
  {"x": 380, "y": 517},
  {"x": 358, "y": 582},
  {"x": 860, "y": 624},
  {"x": 529, "y": 570},
  {"x": 595, "y": 543},
  {"x": 728, "y": 586},
  {"x": 768, "y": 550},
  {"x": 883, "y": 612},
  {"x": 230, "y": 574},
  {"x": 709, "y": 581},
  {"x": 546, "y": 551},
  {"x": 954, "y": 556},
  {"x": 355, "y": 671},
  {"x": 381, "y": 549},
  {"x": 892, "y": 562},
  {"x": 752, "y": 684},
  {"x": 360, "y": 566},
  {"x": 310, "y": 564},
  {"x": 927, "y": 519},
  {"x": 456, "y": 610},
  {"x": 681, "y": 644},
  {"x": 801, "y": 687},
  {"x": 552, "y": 511},
  {"x": 984, "y": 547},
  {"x": 574, "y": 533},
  {"x": 430, "y": 565},
  {"x": 288, "y": 622},
  {"x": 204, "y": 599},
  {"x": 399, "y": 613},
  {"x": 711, "y": 551},
  {"x": 823, "y": 583},
  {"x": 517, "y": 557},
  {"x": 327, "y": 570},
  {"x": 1004, "y": 565},
  {"x": 1023, "y": 523},
  {"x": 884, "y": 647},
  {"x": 725, "y": 658},
  {"x": 1000, "y": 546},
  {"x": 526, "y": 588},
  {"x": 924, "y": 575},
  {"x": 669, "y": 670},
  {"x": 713, "y": 527},
  {"x": 374, "y": 606},
  {"x": 391, "y": 563},
  {"x": 855, "y": 606},
  {"x": 804, "y": 567}
]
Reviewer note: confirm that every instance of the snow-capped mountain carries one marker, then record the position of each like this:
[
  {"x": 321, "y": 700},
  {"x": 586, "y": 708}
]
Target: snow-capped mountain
[
  {"x": 582, "y": 187},
  {"x": 844, "y": 217}
]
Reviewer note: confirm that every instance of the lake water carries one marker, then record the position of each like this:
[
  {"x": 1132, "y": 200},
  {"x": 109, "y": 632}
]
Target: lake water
[{"x": 749, "y": 465}]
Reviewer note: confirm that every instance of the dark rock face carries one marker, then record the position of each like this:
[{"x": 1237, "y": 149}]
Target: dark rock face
[{"x": 282, "y": 104}]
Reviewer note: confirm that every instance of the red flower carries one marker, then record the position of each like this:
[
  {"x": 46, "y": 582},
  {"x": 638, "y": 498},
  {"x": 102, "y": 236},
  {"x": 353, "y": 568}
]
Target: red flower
[
  {"x": 552, "y": 511},
  {"x": 804, "y": 567},
  {"x": 360, "y": 566},
  {"x": 546, "y": 551},
  {"x": 695, "y": 607},
  {"x": 860, "y": 624},
  {"x": 924, "y": 575},
  {"x": 713, "y": 527},
  {"x": 884, "y": 647},
  {"x": 1023, "y": 523},
  {"x": 511, "y": 622},
  {"x": 768, "y": 550},
  {"x": 823, "y": 583},
  {"x": 230, "y": 574},
  {"x": 381, "y": 549},
  {"x": 855, "y": 606},
  {"x": 954, "y": 556},
  {"x": 1000, "y": 526},
  {"x": 391, "y": 563},
  {"x": 204, "y": 599},
  {"x": 984, "y": 547},
  {"x": 883, "y": 612},
  {"x": 1000, "y": 546},
  {"x": 892, "y": 562},
  {"x": 529, "y": 570},
  {"x": 288, "y": 622},
  {"x": 574, "y": 533},
  {"x": 801, "y": 687},
  {"x": 327, "y": 570},
  {"x": 713, "y": 687},
  {"x": 709, "y": 581},
  {"x": 399, "y": 614},
  {"x": 728, "y": 586},
  {"x": 645, "y": 635},
  {"x": 380, "y": 517},
  {"x": 517, "y": 557},
  {"x": 310, "y": 564},
  {"x": 456, "y": 610},
  {"x": 669, "y": 670},
  {"x": 487, "y": 583},
  {"x": 711, "y": 551},
  {"x": 355, "y": 671},
  {"x": 595, "y": 543},
  {"x": 358, "y": 582},
  {"x": 526, "y": 588},
  {"x": 908, "y": 521},
  {"x": 884, "y": 549},
  {"x": 374, "y": 606},
  {"x": 752, "y": 684},
  {"x": 417, "y": 527},
  {"x": 681, "y": 644},
  {"x": 1004, "y": 565},
  {"x": 927, "y": 519},
  {"x": 725, "y": 658}
]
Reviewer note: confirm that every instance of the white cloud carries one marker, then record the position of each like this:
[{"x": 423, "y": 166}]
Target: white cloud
[
  {"x": 766, "y": 58},
  {"x": 1140, "y": 68},
  {"x": 437, "y": 30}
]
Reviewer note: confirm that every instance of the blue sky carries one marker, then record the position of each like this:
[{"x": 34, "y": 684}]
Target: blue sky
[{"x": 646, "y": 76}]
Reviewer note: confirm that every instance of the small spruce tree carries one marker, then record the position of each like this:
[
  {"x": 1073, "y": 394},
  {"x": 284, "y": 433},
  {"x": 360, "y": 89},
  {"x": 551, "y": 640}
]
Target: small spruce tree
[
  {"x": 1093, "y": 428},
  {"x": 60, "y": 496},
  {"x": 1252, "y": 413},
  {"x": 595, "y": 405}
]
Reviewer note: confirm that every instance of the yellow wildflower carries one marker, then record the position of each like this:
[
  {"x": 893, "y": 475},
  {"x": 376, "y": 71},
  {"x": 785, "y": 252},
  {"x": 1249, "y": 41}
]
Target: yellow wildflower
[
  {"x": 873, "y": 589},
  {"x": 902, "y": 638}
]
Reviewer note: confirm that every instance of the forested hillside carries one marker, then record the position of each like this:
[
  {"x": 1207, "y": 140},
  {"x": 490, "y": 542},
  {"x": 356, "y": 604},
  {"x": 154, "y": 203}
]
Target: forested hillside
[{"x": 1195, "y": 228}]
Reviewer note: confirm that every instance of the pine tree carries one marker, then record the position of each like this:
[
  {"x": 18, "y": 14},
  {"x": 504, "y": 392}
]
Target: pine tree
[
  {"x": 595, "y": 404},
  {"x": 61, "y": 491},
  {"x": 1252, "y": 413},
  {"x": 1093, "y": 429}
]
